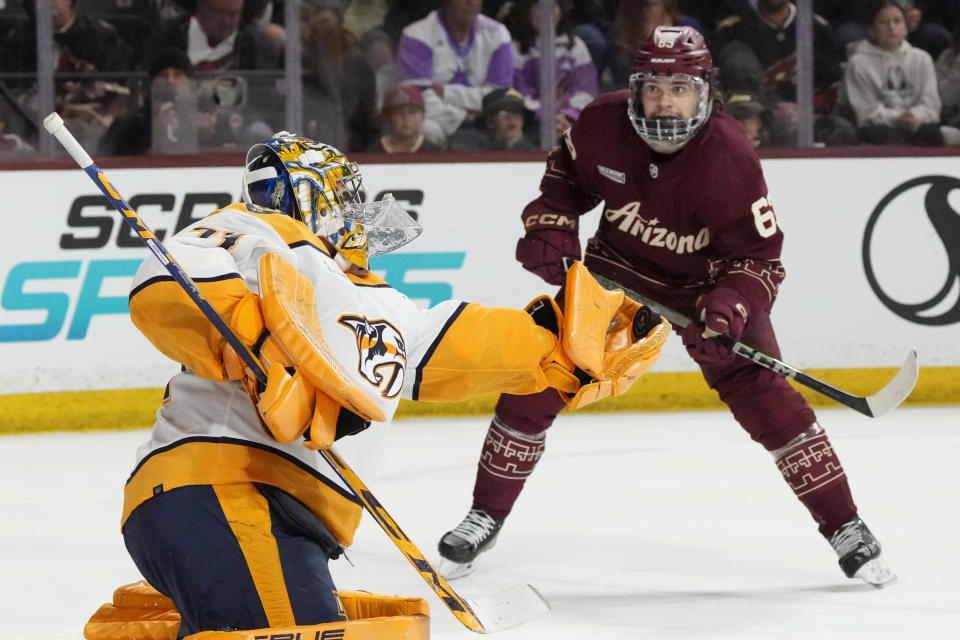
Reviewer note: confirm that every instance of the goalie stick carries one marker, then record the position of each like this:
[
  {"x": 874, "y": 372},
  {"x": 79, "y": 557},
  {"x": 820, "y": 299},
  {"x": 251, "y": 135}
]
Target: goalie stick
[
  {"x": 505, "y": 609},
  {"x": 874, "y": 406}
]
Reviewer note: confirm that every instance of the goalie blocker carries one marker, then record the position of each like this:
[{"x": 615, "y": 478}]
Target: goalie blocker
[{"x": 306, "y": 387}]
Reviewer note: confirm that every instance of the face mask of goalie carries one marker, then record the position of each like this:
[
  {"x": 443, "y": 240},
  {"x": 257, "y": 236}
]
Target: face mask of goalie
[
  {"x": 370, "y": 229},
  {"x": 332, "y": 191},
  {"x": 317, "y": 185}
]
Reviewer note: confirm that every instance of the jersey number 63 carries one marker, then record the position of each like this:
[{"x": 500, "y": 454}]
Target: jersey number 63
[{"x": 763, "y": 217}]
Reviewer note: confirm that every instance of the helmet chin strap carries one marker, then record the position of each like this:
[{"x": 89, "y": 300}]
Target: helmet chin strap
[{"x": 345, "y": 265}]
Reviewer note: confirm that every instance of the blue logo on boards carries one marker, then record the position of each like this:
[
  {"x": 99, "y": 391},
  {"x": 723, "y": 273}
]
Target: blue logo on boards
[
  {"x": 75, "y": 311},
  {"x": 17, "y": 297},
  {"x": 397, "y": 265}
]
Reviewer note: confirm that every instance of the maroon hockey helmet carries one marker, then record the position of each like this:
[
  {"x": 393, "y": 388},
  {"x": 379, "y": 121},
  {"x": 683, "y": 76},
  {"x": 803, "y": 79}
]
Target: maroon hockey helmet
[
  {"x": 677, "y": 52},
  {"x": 673, "y": 50}
]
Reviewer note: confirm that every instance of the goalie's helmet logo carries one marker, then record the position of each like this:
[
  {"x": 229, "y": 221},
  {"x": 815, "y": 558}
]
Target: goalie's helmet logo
[{"x": 383, "y": 356}]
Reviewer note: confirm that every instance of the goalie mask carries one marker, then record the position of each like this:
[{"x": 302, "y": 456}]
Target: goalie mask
[
  {"x": 681, "y": 55},
  {"x": 316, "y": 184}
]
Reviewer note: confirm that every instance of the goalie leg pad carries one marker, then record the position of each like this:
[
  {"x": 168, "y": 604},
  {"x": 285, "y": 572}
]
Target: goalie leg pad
[
  {"x": 361, "y": 605},
  {"x": 370, "y": 617},
  {"x": 406, "y": 627},
  {"x": 137, "y": 611}
]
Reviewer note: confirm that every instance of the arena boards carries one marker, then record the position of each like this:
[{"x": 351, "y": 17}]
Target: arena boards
[{"x": 665, "y": 391}]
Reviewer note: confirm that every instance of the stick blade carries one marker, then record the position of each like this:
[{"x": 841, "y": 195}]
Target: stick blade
[
  {"x": 509, "y": 608},
  {"x": 897, "y": 390}
]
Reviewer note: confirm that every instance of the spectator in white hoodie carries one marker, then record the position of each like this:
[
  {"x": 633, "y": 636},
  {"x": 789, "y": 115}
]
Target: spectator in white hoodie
[{"x": 891, "y": 86}]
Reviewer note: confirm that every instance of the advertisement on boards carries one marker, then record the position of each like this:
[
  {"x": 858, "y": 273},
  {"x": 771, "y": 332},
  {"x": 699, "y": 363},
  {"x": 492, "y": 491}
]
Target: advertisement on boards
[{"x": 868, "y": 251}]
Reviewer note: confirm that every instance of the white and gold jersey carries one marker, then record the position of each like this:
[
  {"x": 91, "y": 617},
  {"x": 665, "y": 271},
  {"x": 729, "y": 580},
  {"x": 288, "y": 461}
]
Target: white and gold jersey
[{"x": 208, "y": 431}]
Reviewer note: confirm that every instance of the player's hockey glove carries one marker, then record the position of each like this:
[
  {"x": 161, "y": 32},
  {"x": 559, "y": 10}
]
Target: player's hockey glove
[
  {"x": 542, "y": 251},
  {"x": 722, "y": 311},
  {"x": 610, "y": 339}
]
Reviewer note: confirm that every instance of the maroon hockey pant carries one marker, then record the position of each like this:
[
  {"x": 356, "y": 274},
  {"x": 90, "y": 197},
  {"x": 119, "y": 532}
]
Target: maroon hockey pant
[{"x": 768, "y": 408}]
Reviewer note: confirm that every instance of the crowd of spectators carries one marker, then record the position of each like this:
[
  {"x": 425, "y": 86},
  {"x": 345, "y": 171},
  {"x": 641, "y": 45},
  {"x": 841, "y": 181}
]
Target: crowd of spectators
[{"x": 402, "y": 76}]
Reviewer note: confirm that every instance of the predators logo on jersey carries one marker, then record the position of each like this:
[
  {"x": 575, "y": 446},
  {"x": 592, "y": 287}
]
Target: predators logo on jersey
[{"x": 383, "y": 356}]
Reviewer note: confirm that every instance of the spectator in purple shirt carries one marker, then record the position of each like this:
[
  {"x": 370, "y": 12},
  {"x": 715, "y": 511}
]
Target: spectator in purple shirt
[
  {"x": 576, "y": 75},
  {"x": 455, "y": 56}
]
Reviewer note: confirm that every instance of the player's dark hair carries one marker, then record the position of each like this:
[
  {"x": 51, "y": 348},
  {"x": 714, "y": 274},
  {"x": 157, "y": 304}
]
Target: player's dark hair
[{"x": 716, "y": 89}]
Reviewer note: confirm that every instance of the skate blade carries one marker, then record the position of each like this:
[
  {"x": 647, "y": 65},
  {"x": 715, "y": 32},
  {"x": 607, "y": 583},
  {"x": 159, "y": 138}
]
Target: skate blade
[
  {"x": 877, "y": 573},
  {"x": 451, "y": 570}
]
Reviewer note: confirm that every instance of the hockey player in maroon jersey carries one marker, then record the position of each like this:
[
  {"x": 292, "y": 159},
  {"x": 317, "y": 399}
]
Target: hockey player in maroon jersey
[{"x": 688, "y": 222}]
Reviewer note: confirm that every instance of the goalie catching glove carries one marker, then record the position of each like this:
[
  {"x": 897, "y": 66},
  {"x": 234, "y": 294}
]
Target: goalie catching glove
[
  {"x": 306, "y": 387},
  {"x": 606, "y": 340}
]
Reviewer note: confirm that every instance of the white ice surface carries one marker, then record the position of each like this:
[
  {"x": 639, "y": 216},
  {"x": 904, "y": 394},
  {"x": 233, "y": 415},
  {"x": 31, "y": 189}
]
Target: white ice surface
[{"x": 634, "y": 526}]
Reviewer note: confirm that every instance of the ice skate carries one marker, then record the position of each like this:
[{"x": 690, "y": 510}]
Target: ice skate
[
  {"x": 460, "y": 547},
  {"x": 860, "y": 555}
]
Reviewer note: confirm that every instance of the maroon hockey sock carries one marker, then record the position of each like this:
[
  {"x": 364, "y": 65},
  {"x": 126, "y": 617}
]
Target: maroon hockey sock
[
  {"x": 814, "y": 473},
  {"x": 508, "y": 457},
  {"x": 831, "y": 507}
]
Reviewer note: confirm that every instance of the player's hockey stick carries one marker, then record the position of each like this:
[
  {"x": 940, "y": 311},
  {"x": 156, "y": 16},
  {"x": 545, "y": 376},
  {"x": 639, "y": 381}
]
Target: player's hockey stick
[
  {"x": 881, "y": 402},
  {"x": 505, "y": 609}
]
